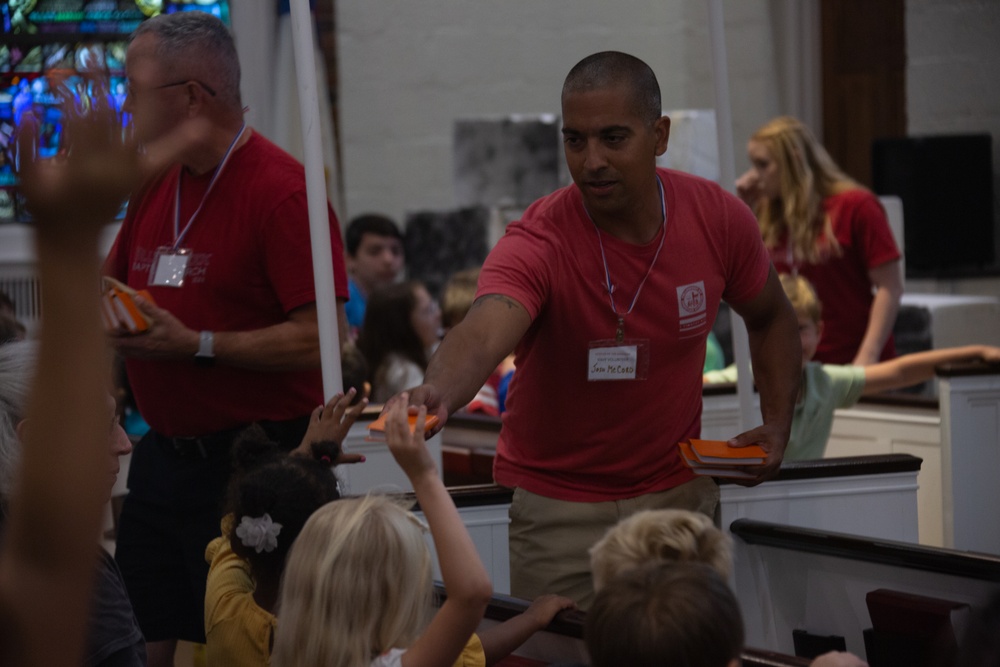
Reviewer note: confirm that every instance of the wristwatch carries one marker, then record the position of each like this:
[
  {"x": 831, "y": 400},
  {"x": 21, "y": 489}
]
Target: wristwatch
[{"x": 205, "y": 356}]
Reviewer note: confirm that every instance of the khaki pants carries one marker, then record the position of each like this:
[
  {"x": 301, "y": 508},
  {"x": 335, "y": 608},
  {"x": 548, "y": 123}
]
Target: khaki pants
[{"x": 549, "y": 539}]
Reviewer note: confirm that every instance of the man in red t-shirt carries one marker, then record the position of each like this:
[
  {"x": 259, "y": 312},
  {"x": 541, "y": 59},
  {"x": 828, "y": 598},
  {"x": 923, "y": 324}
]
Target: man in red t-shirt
[
  {"x": 221, "y": 243},
  {"x": 606, "y": 291}
]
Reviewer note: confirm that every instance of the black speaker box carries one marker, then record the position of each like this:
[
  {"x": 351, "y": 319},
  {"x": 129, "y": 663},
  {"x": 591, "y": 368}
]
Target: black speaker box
[{"x": 946, "y": 184}]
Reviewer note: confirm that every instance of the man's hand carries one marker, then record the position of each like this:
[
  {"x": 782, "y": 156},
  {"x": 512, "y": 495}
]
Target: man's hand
[
  {"x": 771, "y": 441},
  {"x": 426, "y": 396},
  {"x": 329, "y": 424},
  {"x": 166, "y": 338}
]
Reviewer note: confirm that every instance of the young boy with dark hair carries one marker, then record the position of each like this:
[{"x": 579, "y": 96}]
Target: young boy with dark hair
[
  {"x": 827, "y": 387},
  {"x": 374, "y": 247}
]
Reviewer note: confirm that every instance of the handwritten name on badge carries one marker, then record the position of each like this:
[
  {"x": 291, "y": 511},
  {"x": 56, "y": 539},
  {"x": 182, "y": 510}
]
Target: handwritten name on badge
[{"x": 613, "y": 363}]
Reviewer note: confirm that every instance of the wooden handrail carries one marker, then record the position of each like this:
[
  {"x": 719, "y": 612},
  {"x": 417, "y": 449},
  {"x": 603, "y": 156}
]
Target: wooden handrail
[
  {"x": 476, "y": 495},
  {"x": 969, "y": 368},
  {"x": 570, "y": 624},
  {"x": 888, "y": 552}
]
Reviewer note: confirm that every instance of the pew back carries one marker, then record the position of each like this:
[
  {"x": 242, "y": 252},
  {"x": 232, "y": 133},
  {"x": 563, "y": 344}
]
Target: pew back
[{"x": 800, "y": 578}]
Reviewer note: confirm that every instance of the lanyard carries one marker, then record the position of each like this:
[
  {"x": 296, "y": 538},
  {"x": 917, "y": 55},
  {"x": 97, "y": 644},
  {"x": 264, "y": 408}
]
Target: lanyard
[
  {"x": 620, "y": 333},
  {"x": 179, "y": 235}
]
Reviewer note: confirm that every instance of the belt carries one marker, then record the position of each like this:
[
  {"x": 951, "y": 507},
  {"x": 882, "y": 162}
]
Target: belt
[
  {"x": 287, "y": 433},
  {"x": 201, "y": 446}
]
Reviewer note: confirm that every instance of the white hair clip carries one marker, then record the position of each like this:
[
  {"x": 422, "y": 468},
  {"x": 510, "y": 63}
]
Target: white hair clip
[{"x": 259, "y": 533}]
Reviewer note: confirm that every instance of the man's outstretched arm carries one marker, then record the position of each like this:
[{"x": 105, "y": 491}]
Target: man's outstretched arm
[{"x": 469, "y": 353}]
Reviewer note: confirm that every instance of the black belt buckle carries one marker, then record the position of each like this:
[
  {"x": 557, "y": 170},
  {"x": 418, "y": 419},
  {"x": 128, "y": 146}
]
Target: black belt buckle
[{"x": 189, "y": 448}]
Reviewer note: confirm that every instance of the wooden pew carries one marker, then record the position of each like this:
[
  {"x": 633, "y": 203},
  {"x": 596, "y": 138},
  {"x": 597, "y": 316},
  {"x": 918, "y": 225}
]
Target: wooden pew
[
  {"x": 562, "y": 641},
  {"x": 794, "y": 577},
  {"x": 874, "y": 496},
  {"x": 957, "y": 438}
]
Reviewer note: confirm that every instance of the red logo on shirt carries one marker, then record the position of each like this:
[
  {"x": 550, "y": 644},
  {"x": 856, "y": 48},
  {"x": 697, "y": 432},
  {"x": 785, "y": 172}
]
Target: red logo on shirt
[{"x": 692, "y": 298}]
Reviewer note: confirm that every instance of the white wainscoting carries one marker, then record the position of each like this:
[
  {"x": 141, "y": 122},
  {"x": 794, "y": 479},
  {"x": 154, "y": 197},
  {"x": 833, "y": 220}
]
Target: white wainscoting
[
  {"x": 867, "y": 429},
  {"x": 882, "y": 506},
  {"x": 970, "y": 427}
]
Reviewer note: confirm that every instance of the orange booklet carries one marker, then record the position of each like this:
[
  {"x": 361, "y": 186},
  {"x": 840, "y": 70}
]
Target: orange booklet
[
  {"x": 692, "y": 462},
  {"x": 118, "y": 307},
  {"x": 718, "y": 452},
  {"x": 376, "y": 430}
]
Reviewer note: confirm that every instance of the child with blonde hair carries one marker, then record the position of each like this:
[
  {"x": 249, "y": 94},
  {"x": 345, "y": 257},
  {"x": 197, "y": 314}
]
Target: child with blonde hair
[
  {"x": 662, "y": 536},
  {"x": 357, "y": 587},
  {"x": 827, "y": 387},
  {"x": 662, "y": 597}
]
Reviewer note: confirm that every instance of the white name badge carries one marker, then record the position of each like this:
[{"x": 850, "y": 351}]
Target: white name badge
[
  {"x": 169, "y": 266},
  {"x": 613, "y": 360}
]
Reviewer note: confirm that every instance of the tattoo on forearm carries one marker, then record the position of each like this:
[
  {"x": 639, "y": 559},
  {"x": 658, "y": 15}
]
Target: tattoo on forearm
[{"x": 506, "y": 300}]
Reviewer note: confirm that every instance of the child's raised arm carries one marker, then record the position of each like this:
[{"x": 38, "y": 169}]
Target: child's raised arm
[
  {"x": 468, "y": 587},
  {"x": 48, "y": 557},
  {"x": 501, "y": 640},
  {"x": 913, "y": 368}
]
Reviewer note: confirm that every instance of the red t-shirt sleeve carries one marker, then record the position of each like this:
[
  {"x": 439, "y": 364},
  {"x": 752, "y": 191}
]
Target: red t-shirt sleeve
[
  {"x": 518, "y": 267},
  {"x": 871, "y": 232},
  {"x": 748, "y": 263}
]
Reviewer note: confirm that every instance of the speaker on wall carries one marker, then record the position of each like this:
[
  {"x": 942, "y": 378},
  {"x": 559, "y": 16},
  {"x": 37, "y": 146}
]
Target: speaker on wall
[{"x": 946, "y": 185}]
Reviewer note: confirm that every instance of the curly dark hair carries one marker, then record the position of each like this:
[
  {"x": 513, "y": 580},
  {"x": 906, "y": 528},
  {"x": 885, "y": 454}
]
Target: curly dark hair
[{"x": 266, "y": 480}]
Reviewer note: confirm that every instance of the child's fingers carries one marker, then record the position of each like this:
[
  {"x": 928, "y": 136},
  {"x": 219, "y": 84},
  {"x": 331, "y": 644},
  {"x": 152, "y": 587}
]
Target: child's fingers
[
  {"x": 355, "y": 411},
  {"x": 331, "y": 406},
  {"x": 396, "y": 423},
  {"x": 418, "y": 431},
  {"x": 342, "y": 402}
]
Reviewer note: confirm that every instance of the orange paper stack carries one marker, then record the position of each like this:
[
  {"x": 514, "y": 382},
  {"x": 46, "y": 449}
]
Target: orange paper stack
[
  {"x": 376, "y": 430},
  {"x": 119, "y": 310},
  {"x": 716, "y": 458}
]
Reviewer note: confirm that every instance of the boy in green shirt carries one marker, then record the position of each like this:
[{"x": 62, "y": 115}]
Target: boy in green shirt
[{"x": 827, "y": 387}]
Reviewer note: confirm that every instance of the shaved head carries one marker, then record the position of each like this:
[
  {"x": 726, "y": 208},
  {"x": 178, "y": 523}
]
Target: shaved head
[{"x": 611, "y": 69}]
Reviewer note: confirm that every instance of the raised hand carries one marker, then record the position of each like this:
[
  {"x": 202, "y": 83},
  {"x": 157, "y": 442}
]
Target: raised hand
[
  {"x": 329, "y": 424},
  {"x": 408, "y": 447}
]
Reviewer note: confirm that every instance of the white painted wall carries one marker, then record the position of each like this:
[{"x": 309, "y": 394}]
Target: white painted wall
[
  {"x": 953, "y": 54},
  {"x": 408, "y": 70}
]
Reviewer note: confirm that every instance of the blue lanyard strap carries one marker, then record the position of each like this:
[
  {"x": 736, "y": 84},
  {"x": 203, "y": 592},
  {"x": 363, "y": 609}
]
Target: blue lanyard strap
[{"x": 179, "y": 235}]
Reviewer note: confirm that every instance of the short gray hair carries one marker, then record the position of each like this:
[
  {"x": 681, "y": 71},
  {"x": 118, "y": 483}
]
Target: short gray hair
[
  {"x": 197, "y": 44},
  {"x": 17, "y": 372}
]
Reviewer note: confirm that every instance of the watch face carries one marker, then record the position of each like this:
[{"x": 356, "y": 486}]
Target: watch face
[{"x": 206, "y": 342}]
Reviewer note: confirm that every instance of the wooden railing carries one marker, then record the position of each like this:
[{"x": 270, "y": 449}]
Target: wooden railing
[{"x": 562, "y": 640}]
